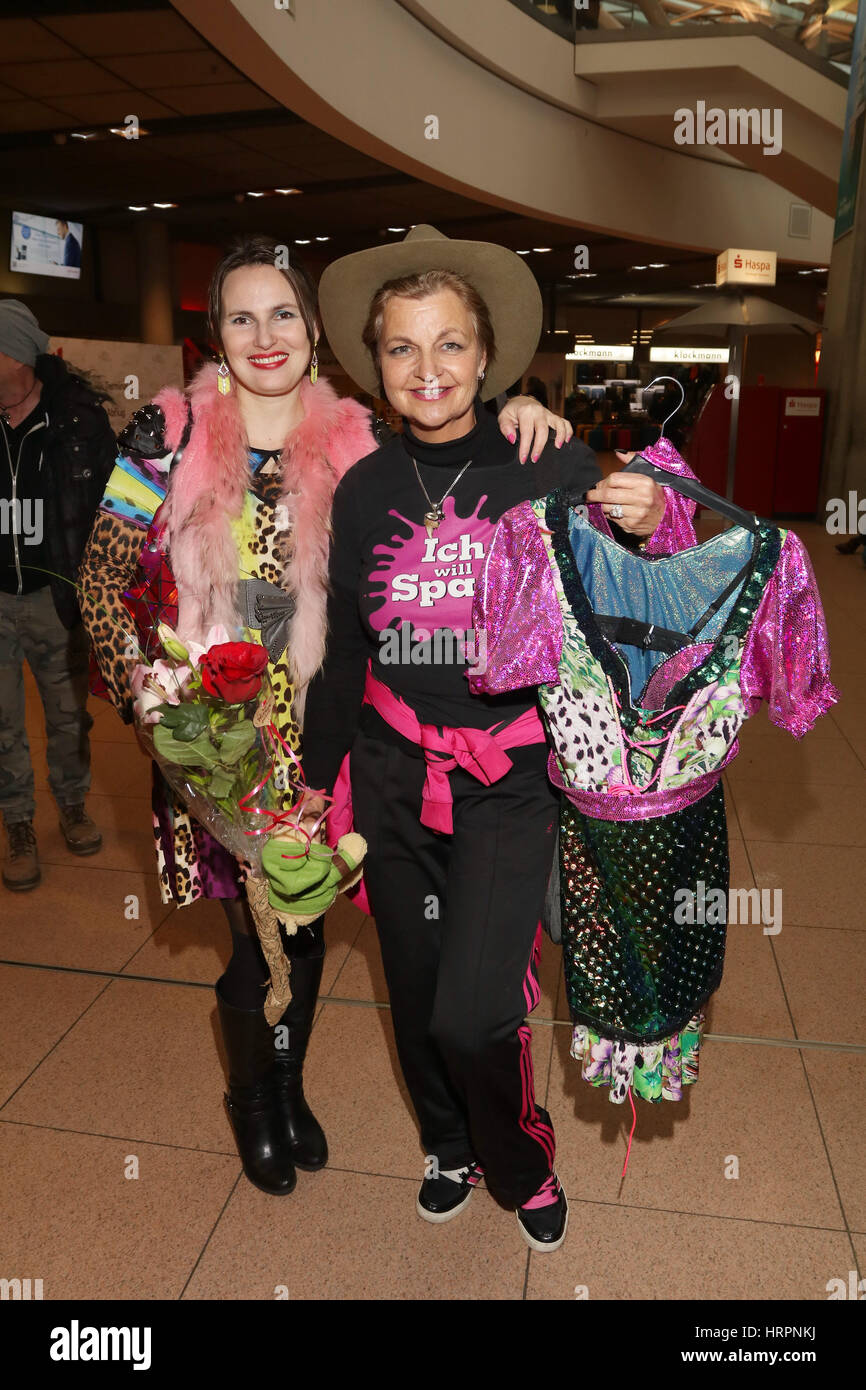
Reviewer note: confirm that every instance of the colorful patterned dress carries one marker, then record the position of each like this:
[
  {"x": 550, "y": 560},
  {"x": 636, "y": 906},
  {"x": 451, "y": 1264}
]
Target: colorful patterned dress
[
  {"x": 639, "y": 737},
  {"x": 191, "y": 863}
]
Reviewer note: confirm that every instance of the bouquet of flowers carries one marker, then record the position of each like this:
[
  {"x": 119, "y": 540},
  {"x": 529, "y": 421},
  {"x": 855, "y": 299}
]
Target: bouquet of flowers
[{"x": 204, "y": 713}]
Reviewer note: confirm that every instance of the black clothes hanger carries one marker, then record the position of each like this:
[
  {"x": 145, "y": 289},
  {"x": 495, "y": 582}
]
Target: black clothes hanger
[
  {"x": 687, "y": 486},
  {"x": 691, "y": 487},
  {"x": 633, "y": 632},
  {"x": 626, "y": 631}
]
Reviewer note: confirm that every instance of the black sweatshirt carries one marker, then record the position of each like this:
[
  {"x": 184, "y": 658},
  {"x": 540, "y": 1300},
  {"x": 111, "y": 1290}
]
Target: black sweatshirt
[
  {"x": 398, "y": 597},
  {"x": 24, "y": 557}
]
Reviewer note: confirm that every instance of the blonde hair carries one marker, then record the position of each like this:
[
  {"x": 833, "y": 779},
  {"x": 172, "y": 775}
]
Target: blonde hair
[{"x": 420, "y": 286}]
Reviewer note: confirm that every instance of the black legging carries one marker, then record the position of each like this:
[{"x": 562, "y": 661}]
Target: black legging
[{"x": 246, "y": 974}]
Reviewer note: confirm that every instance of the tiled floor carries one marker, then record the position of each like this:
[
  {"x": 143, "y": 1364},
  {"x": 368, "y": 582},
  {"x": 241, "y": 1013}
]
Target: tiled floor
[{"x": 120, "y": 1173}]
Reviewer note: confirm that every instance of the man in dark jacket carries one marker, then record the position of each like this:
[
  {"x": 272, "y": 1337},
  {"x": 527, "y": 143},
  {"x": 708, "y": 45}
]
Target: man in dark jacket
[
  {"x": 56, "y": 451},
  {"x": 71, "y": 244}
]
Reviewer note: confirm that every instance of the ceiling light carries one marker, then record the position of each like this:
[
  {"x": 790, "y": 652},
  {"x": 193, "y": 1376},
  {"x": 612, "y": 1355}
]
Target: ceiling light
[
  {"x": 302, "y": 240},
  {"x": 250, "y": 194},
  {"x": 658, "y": 265},
  {"x": 83, "y": 134},
  {"x": 523, "y": 253},
  {"x": 323, "y": 238},
  {"x": 804, "y": 272},
  {"x": 288, "y": 190},
  {"x": 542, "y": 248},
  {"x": 560, "y": 330},
  {"x": 165, "y": 205},
  {"x": 638, "y": 267},
  {"x": 398, "y": 229},
  {"x": 135, "y": 207}
]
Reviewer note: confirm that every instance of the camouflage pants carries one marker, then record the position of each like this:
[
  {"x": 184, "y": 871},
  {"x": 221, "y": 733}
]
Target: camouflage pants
[{"x": 31, "y": 631}]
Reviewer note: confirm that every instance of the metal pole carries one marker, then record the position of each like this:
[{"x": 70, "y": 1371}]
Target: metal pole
[{"x": 735, "y": 370}]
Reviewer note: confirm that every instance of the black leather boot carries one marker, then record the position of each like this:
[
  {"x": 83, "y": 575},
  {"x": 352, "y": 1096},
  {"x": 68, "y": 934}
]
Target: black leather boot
[
  {"x": 301, "y": 1130},
  {"x": 251, "y": 1099}
]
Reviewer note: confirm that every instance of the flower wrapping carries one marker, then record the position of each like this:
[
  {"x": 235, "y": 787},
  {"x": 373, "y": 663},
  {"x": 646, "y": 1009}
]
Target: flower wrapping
[{"x": 204, "y": 714}]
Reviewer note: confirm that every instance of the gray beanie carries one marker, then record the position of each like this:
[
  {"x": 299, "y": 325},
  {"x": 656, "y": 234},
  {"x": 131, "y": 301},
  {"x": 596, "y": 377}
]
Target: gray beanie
[{"x": 20, "y": 334}]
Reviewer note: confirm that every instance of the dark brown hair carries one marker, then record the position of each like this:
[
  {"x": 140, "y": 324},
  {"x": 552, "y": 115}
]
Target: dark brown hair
[
  {"x": 419, "y": 286},
  {"x": 262, "y": 250}
]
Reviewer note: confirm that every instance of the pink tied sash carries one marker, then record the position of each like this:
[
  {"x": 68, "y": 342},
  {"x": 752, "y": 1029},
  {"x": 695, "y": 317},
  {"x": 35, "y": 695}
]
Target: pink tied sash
[{"x": 480, "y": 752}]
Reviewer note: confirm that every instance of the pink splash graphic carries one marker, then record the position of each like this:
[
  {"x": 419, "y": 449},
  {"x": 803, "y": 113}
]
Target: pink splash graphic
[{"x": 429, "y": 581}]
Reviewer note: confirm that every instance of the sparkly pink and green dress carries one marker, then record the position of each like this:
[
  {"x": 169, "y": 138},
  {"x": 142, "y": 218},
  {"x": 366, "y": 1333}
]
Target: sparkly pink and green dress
[{"x": 640, "y": 729}]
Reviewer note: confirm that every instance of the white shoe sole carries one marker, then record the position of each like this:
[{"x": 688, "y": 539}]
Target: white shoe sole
[
  {"x": 543, "y": 1246},
  {"x": 439, "y": 1218}
]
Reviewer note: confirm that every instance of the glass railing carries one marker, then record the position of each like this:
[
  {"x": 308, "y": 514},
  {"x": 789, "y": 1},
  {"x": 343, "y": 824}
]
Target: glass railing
[{"x": 824, "y": 28}]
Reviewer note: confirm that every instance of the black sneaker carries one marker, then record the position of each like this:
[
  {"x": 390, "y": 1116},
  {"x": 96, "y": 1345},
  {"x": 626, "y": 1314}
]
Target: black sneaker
[
  {"x": 543, "y": 1221},
  {"x": 444, "y": 1197}
]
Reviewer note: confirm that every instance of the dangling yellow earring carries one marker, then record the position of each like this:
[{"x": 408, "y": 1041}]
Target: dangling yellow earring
[
  {"x": 224, "y": 377},
  {"x": 314, "y": 365}
]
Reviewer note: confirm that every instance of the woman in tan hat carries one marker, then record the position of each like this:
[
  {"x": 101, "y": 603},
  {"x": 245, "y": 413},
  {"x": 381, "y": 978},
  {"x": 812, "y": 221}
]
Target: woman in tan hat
[{"x": 449, "y": 789}]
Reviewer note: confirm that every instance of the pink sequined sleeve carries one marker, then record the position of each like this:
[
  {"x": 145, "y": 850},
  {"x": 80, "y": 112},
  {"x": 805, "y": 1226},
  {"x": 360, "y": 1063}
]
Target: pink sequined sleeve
[
  {"x": 516, "y": 613},
  {"x": 786, "y": 660},
  {"x": 675, "y": 531}
]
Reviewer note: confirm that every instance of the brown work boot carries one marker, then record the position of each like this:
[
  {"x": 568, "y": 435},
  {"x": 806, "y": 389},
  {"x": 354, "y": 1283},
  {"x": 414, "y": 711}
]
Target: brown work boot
[
  {"x": 21, "y": 865},
  {"x": 79, "y": 831}
]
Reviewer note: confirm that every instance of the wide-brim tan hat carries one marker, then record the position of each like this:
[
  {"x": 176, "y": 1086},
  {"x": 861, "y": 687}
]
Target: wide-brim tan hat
[{"x": 505, "y": 283}]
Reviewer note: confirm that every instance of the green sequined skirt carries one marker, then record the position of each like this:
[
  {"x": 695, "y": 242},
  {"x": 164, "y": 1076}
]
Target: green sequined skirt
[{"x": 643, "y": 941}]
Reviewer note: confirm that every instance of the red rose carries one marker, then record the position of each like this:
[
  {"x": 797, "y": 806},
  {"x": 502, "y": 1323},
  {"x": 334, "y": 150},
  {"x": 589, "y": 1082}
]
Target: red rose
[{"x": 233, "y": 671}]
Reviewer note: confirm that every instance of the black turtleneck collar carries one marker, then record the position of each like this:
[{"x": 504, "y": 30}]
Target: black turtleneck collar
[{"x": 453, "y": 452}]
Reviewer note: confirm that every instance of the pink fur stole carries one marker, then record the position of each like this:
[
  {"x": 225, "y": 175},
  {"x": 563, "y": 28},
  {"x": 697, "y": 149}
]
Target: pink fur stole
[{"x": 207, "y": 492}]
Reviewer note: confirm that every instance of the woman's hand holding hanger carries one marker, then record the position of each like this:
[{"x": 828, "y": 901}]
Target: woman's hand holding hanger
[{"x": 634, "y": 502}]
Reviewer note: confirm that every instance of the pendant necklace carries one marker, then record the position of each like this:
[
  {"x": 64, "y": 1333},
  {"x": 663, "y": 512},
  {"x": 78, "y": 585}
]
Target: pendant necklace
[
  {"x": 4, "y": 409},
  {"x": 435, "y": 515}
]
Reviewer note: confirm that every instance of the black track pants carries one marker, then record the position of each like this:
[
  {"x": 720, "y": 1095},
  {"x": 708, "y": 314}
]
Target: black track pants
[{"x": 457, "y": 917}]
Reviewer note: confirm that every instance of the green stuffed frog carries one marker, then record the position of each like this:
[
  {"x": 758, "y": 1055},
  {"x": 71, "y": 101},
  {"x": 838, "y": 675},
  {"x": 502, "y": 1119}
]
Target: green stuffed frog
[{"x": 304, "y": 879}]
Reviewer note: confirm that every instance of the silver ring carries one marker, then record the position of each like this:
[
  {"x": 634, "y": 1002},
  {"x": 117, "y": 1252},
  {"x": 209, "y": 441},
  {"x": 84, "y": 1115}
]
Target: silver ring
[{"x": 615, "y": 511}]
